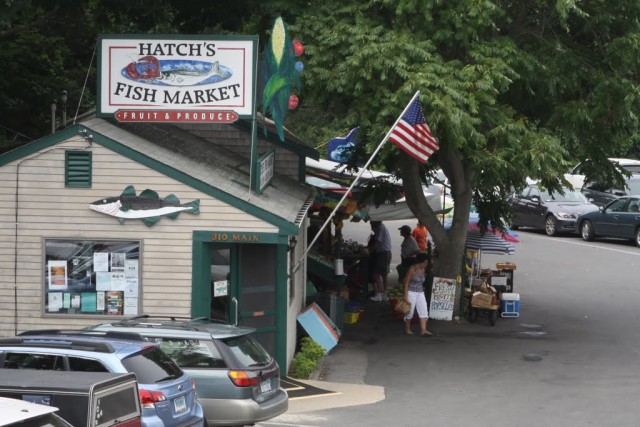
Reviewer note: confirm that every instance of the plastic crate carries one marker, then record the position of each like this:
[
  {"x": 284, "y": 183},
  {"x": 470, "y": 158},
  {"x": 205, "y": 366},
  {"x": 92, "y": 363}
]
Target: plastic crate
[{"x": 351, "y": 317}]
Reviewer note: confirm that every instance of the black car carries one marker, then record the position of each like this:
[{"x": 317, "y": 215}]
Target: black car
[
  {"x": 620, "y": 218},
  {"x": 554, "y": 213},
  {"x": 602, "y": 194}
]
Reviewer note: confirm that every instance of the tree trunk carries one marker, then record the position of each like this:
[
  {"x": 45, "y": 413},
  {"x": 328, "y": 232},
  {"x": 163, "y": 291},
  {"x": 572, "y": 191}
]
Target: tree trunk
[{"x": 450, "y": 243}]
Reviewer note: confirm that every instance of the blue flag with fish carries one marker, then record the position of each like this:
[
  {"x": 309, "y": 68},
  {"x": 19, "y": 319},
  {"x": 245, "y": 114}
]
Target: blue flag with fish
[
  {"x": 147, "y": 206},
  {"x": 341, "y": 148}
]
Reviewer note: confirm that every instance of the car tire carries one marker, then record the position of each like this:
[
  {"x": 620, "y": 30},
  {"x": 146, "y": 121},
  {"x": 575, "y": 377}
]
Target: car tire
[
  {"x": 638, "y": 236},
  {"x": 586, "y": 230},
  {"x": 550, "y": 226}
]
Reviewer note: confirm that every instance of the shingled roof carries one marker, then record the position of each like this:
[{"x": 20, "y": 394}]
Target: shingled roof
[{"x": 222, "y": 174}]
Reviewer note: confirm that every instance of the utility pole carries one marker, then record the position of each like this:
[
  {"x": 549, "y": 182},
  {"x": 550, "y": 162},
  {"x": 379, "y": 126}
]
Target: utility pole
[
  {"x": 64, "y": 108},
  {"x": 54, "y": 107}
]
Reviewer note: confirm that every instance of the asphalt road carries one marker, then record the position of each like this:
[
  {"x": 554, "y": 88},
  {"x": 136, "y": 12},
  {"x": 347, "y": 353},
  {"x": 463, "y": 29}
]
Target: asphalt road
[{"x": 570, "y": 359}]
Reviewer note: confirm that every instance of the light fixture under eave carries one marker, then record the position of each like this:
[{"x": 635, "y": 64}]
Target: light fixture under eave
[
  {"x": 293, "y": 241},
  {"x": 87, "y": 136}
]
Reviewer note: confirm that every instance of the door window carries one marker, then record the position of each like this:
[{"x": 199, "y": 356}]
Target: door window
[
  {"x": 85, "y": 365},
  {"x": 617, "y": 205},
  {"x": 634, "y": 205},
  {"x": 49, "y": 362},
  {"x": 220, "y": 283}
]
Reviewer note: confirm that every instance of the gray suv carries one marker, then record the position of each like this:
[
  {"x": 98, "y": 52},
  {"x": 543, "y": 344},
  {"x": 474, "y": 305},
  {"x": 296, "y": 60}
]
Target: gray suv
[{"x": 237, "y": 381}]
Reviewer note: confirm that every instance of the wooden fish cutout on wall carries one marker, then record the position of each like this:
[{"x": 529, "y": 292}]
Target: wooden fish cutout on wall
[{"x": 148, "y": 206}]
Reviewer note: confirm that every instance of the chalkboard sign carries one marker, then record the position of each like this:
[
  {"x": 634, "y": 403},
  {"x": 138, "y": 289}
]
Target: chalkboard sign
[{"x": 443, "y": 295}]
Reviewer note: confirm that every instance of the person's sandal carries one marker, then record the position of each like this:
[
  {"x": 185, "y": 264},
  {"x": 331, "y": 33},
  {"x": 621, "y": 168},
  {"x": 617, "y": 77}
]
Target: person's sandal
[
  {"x": 427, "y": 334},
  {"x": 408, "y": 332}
]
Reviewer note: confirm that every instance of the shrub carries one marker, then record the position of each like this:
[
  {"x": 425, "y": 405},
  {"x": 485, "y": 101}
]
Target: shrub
[
  {"x": 306, "y": 359},
  {"x": 311, "y": 349}
]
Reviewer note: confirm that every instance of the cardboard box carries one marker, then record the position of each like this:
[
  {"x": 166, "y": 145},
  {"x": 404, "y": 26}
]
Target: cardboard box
[{"x": 481, "y": 300}]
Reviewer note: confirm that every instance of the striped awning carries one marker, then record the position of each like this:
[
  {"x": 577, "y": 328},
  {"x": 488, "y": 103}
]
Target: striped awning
[{"x": 489, "y": 243}]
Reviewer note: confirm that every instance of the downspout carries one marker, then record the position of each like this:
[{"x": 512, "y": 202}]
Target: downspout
[{"x": 15, "y": 236}]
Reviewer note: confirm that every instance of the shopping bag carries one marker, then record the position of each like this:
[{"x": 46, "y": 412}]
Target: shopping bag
[{"x": 403, "y": 306}]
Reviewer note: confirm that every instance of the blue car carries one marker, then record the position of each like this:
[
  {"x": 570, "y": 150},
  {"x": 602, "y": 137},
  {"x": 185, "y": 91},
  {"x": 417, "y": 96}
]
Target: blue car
[
  {"x": 620, "y": 218},
  {"x": 167, "y": 394}
]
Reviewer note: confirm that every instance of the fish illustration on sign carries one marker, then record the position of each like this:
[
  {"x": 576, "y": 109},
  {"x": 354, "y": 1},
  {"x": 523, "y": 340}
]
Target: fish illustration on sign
[
  {"x": 148, "y": 206},
  {"x": 175, "y": 72}
]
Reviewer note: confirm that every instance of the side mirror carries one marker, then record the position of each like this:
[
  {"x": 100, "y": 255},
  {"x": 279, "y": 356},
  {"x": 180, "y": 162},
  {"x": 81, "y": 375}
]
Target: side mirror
[{"x": 535, "y": 199}]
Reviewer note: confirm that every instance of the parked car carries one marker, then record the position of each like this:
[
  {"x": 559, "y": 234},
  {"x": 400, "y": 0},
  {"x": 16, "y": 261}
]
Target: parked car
[
  {"x": 83, "y": 399},
  {"x": 620, "y": 218},
  {"x": 554, "y": 213},
  {"x": 19, "y": 413},
  {"x": 167, "y": 394},
  {"x": 576, "y": 175},
  {"x": 602, "y": 194},
  {"x": 237, "y": 381}
]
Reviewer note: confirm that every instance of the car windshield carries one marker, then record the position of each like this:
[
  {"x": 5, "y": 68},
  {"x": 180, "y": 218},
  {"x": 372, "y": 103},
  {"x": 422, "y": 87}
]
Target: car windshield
[
  {"x": 152, "y": 366},
  {"x": 634, "y": 186},
  {"x": 568, "y": 196},
  {"x": 248, "y": 351}
]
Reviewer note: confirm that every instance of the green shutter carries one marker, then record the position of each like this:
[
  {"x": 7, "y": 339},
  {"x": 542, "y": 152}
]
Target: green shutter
[{"x": 77, "y": 169}]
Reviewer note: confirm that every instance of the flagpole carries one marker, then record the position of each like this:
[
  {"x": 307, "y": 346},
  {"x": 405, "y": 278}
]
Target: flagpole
[{"x": 346, "y": 194}]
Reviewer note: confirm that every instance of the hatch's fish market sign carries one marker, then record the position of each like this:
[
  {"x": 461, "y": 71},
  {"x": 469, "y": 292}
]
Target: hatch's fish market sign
[{"x": 181, "y": 79}]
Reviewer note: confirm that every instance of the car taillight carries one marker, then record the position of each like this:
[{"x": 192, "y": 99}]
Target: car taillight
[
  {"x": 149, "y": 398},
  {"x": 244, "y": 379}
]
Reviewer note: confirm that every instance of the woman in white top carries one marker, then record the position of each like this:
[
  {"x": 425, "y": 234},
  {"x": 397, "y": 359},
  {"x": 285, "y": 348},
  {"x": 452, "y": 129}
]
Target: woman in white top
[{"x": 414, "y": 293}]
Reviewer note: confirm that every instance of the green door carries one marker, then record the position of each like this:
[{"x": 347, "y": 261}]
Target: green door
[{"x": 238, "y": 283}]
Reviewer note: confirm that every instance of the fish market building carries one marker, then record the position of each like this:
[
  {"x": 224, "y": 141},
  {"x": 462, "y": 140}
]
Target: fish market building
[{"x": 106, "y": 220}]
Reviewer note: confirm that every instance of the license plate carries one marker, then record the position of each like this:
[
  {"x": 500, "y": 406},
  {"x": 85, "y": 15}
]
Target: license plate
[
  {"x": 265, "y": 386},
  {"x": 180, "y": 404}
]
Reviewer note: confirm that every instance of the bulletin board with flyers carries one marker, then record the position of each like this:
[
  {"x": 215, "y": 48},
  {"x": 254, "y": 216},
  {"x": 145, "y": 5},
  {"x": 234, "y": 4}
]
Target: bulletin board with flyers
[{"x": 92, "y": 277}]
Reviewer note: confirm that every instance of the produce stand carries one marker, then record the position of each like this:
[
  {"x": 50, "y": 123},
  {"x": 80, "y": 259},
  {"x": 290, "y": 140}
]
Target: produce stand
[
  {"x": 482, "y": 299},
  {"x": 489, "y": 309}
]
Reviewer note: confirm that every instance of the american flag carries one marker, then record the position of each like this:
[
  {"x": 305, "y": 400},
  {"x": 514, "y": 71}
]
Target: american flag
[{"x": 413, "y": 135}]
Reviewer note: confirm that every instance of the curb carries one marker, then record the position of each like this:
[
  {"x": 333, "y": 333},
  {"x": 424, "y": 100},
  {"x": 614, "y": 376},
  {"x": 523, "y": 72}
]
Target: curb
[{"x": 317, "y": 373}]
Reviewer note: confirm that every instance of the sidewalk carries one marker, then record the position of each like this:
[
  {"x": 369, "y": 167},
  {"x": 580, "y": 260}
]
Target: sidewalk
[{"x": 344, "y": 369}]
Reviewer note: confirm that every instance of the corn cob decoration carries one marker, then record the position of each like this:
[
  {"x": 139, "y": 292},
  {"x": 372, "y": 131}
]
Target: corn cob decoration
[{"x": 279, "y": 72}]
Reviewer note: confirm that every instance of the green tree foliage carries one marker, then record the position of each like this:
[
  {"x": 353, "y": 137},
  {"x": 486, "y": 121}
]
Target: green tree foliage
[
  {"x": 47, "y": 46},
  {"x": 511, "y": 89}
]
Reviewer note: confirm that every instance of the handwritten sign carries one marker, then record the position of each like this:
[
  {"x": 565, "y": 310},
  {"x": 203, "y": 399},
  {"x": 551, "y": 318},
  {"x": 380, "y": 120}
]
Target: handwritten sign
[{"x": 443, "y": 294}]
